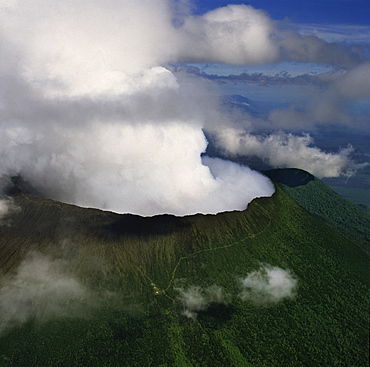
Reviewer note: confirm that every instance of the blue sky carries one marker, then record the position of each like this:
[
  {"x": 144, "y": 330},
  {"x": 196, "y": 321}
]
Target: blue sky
[
  {"x": 313, "y": 11},
  {"x": 342, "y": 21},
  {"x": 345, "y": 21},
  {"x": 314, "y": 97}
]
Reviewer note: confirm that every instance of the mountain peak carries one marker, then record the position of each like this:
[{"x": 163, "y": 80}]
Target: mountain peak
[{"x": 291, "y": 177}]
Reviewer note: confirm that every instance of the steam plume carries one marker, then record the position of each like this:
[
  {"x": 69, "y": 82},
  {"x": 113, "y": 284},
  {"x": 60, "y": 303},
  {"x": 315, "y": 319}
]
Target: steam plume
[{"x": 91, "y": 114}]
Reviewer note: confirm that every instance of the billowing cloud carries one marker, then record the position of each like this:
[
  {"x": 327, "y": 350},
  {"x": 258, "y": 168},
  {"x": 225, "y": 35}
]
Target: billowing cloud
[
  {"x": 195, "y": 298},
  {"x": 90, "y": 114},
  {"x": 90, "y": 118},
  {"x": 42, "y": 289},
  {"x": 83, "y": 47},
  {"x": 241, "y": 35},
  {"x": 287, "y": 150},
  {"x": 235, "y": 34},
  {"x": 268, "y": 285},
  {"x": 146, "y": 169}
]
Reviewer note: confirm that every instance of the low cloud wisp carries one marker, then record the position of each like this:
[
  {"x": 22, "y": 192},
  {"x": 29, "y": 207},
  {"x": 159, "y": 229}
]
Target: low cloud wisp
[
  {"x": 267, "y": 286},
  {"x": 195, "y": 298},
  {"x": 7, "y": 208},
  {"x": 41, "y": 290}
]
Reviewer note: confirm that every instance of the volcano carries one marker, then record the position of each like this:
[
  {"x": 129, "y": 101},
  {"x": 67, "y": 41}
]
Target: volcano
[{"x": 85, "y": 287}]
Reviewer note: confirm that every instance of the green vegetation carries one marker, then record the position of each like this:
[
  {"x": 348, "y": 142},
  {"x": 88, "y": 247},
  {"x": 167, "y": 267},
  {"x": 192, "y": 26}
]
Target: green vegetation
[
  {"x": 355, "y": 189},
  {"x": 358, "y": 196},
  {"x": 319, "y": 199},
  {"x": 140, "y": 321}
]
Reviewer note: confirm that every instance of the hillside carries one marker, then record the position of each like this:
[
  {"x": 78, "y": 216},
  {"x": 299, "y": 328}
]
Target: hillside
[
  {"x": 269, "y": 286},
  {"x": 319, "y": 199}
]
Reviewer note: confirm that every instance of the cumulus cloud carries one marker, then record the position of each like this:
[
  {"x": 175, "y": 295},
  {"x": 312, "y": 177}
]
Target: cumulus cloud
[
  {"x": 241, "y": 35},
  {"x": 42, "y": 289},
  {"x": 268, "y": 285},
  {"x": 195, "y": 298},
  {"x": 90, "y": 114},
  {"x": 235, "y": 34},
  {"x": 287, "y": 150}
]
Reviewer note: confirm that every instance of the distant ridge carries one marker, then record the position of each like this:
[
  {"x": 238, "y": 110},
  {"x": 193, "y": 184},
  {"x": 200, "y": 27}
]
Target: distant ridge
[
  {"x": 319, "y": 199},
  {"x": 291, "y": 177}
]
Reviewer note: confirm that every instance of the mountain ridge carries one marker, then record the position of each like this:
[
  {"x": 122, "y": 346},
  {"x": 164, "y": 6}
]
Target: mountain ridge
[
  {"x": 319, "y": 199},
  {"x": 132, "y": 276}
]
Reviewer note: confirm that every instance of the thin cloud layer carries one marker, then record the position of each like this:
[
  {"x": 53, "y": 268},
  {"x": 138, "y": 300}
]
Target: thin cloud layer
[
  {"x": 90, "y": 114},
  {"x": 329, "y": 101},
  {"x": 42, "y": 290},
  {"x": 7, "y": 208}
]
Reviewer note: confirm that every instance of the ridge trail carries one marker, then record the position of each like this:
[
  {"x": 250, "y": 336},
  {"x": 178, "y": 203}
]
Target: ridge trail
[{"x": 158, "y": 291}]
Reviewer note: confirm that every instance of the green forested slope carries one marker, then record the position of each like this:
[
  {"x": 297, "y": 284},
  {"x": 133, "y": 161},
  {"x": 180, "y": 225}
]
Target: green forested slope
[
  {"x": 131, "y": 269},
  {"x": 319, "y": 199}
]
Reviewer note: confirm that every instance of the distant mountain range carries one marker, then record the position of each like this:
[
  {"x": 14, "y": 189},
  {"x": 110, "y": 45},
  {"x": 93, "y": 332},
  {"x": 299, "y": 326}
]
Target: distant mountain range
[
  {"x": 283, "y": 283},
  {"x": 254, "y": 108}
]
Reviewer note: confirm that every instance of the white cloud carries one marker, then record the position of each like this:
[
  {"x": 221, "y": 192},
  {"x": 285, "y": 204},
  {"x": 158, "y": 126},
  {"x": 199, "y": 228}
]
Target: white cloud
[
  {"x": 235, "y": 34},
  {"x": 264, "y": 287},
  {"x": 91, "y": 116},
  {"x": 286, "y": 150},
  {"x": 41, "y": 290},
  {"x": 7, "y": 208},
  {"x": 195, "y": 298},
  {"x": 268, "y": 285},
  {"x": 80, "y": 47}
]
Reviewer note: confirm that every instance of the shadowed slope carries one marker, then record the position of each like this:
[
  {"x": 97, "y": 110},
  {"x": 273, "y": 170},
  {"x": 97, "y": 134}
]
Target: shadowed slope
[{"x": 291, "y": 177}]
